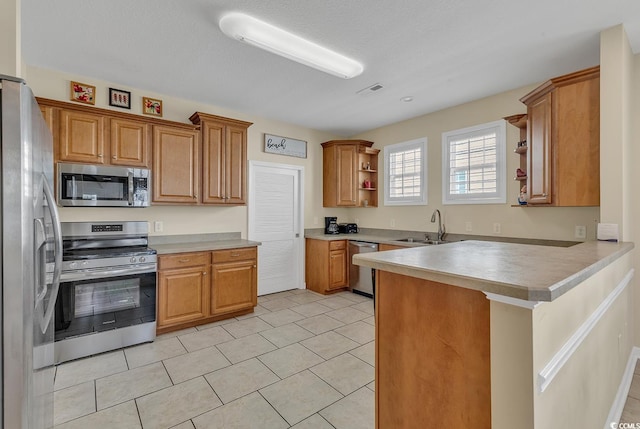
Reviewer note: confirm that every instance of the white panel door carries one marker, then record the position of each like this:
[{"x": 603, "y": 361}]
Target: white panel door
[{"x": 275, "y": 208}]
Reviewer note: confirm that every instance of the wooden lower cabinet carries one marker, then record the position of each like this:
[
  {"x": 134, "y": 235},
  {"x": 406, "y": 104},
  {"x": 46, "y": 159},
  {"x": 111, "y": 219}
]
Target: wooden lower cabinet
[
  {"x": 327, "y": 265},
  {"x": 383, "y": 246},
  {"x": 202, "y": 287},
  {"x": 235, "y": 280}
]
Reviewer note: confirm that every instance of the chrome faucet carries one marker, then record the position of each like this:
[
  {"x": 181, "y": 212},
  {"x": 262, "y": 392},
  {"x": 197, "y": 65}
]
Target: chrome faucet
[{"x": 441, "y": 228}]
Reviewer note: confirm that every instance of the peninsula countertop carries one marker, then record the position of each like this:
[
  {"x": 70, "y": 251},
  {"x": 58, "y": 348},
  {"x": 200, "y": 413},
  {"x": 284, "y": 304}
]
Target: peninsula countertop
[{"x": 522, "y": 271}]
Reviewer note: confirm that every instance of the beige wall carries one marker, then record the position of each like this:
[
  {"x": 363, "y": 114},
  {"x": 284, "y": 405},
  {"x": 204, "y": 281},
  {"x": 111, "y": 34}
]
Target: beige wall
[
  {"x": 10, "y": 52},
  {"x": 533, "y": 222},
  {"x": 201, "y": 219}
]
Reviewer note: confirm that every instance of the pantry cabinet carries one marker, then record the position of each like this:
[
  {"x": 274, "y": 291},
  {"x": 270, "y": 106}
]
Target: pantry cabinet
[
  {"x": 327, "y": 265},
  {"x": 350, "y": 175},
  {"x": 196, "y": 288},
  {"x": 224, "y": 158},
  {"x": 176, "y": 165},
  {"x": 563, "y": 138}
]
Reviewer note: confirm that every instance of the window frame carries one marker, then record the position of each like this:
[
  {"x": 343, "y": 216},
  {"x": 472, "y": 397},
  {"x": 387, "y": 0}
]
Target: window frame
[
  {"x": 500, "y": 196},
  {"x": 420, "y": 200}
]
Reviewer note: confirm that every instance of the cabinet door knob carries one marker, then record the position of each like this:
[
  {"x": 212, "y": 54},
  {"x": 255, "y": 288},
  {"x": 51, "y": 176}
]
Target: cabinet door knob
[
  {"x": 544, "y": 195},
  {"x": 99, "y": 155},
  {"x": 114, "y": 157},
  {"x": 204, "y": 273}
]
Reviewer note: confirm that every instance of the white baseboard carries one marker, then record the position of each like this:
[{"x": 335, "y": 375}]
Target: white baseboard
[{"x": 623, "y": 390}]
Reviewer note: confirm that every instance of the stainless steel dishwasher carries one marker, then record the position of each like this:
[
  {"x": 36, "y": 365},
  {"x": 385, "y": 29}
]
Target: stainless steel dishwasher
[{"x": 361, "y": 279}]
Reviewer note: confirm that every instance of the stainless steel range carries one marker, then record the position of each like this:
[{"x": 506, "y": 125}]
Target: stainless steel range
[{"x": 107, "y": 295}]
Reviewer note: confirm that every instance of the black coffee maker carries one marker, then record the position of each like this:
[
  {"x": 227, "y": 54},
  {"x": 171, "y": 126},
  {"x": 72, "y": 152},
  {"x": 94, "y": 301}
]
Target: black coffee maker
[{"x": 331, "y": 225}]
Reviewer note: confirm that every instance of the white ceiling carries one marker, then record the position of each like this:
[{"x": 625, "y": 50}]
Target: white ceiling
[{"x": 441, "y": 52}]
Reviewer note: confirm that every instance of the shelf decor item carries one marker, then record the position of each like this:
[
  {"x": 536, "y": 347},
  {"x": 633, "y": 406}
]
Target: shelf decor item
[
  {"x": 82, "y": 93},
  {"x": 119, "y": 98},
  {"x": 151, "y": 106}
]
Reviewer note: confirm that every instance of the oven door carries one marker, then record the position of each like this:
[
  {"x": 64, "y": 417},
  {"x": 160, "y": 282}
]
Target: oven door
[{"x": 91, "y": 305}]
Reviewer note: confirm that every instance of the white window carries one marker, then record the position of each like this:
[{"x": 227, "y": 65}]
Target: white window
[
  {"x": 405, "y": 175},
  {"x": 474, "y": 165}
]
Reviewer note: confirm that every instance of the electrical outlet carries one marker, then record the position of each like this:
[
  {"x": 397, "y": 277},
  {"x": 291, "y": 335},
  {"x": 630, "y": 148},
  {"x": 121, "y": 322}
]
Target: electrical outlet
[
  {"x": 468, "y": 227},
  {"x": 580, "y": 232},
  {"x": 497, "y": 229},
  {"x": 315, "y": 220},
  {"x": 392, "y": 223},
  {"x": 157, "y": 226}
]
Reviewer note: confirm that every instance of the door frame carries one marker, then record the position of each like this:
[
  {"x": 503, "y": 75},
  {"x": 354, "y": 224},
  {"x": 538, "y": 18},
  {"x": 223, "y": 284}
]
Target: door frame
[{"x": 299, "y": 229}]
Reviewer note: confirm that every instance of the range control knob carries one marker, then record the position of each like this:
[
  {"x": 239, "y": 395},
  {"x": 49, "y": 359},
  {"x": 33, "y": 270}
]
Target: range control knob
[
  {"x": 73, "y": 265},
  {"x": 142, "y": 259},
  {"x": 85, "y": 263},
  {"x": 133, "y": 260}
]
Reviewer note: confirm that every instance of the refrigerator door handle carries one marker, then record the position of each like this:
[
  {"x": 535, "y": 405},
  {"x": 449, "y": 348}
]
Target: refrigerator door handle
[
  {"x": 40, "y": 242},
  {"x": 57, "y": 267}
]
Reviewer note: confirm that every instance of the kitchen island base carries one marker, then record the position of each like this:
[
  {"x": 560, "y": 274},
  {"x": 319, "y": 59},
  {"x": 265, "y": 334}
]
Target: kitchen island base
[{"x": 433, "y": 362}]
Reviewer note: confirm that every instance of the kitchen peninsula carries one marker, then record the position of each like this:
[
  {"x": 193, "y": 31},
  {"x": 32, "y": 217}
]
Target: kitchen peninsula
[{"x": 499, "y": 335}]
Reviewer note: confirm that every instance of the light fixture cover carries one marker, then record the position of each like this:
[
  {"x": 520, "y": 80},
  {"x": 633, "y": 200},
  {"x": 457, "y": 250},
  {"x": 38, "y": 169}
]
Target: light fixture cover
[{"x": 273, "y": 39}]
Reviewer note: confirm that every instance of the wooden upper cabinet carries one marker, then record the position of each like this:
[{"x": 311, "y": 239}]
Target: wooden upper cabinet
[
  {"x": 224, "y": 158},
  {"x": 130, "y": 142},
  {"x": 47, "y": 115},
  {"x": 563, "y": 135},
  {"x": 176, "y": 165},
  {"x": 81, "y": 137},
  {"x": 236, "y": 162},
  {"x": 213, "y": 165},
  {"x": 539, "y": 161},
  {"x": 343, "y": 177}
]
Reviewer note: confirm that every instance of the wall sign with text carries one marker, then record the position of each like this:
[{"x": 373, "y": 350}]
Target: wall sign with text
[{"x": 285, "y": 146}]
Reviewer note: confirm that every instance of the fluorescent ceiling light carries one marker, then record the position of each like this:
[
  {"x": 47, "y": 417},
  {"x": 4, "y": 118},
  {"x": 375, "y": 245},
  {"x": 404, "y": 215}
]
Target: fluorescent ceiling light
[{"x": 273, "y": 39}]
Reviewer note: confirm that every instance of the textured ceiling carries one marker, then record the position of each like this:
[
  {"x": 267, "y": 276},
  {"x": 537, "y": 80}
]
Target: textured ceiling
[{"x": 441, "y": 52}]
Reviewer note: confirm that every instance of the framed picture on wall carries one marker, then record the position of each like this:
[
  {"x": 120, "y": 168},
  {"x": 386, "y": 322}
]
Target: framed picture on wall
[
  {"x": 82, "y": 92},
  {"x": 151, "y": 106},
  {"x": 119, "y": 98}
]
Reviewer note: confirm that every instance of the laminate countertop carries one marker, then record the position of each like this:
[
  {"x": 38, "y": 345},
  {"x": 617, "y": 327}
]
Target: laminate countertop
[
  {"x": 522, "y": 271},
  {"x": 198, "y": 243}
]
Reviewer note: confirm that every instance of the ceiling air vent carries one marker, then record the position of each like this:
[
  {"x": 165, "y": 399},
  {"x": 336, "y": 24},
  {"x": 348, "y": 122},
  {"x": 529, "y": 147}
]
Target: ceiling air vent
[{"x": 370, "y": 89}]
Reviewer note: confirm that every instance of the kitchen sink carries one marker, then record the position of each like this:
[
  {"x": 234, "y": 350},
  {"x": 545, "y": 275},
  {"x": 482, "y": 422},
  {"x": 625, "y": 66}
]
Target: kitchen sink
[{"x": 423, "y": 241}]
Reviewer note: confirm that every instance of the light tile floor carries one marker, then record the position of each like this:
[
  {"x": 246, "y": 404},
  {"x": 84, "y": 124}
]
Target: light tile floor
[
  {"x": 301, "y": 360},
  {"x": 631, "y": 411}
]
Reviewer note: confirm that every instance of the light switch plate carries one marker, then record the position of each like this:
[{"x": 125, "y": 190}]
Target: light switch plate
[{"x": 157, "y": 226}]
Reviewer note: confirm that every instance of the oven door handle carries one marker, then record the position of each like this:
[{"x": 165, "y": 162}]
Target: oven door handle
[
  {"x": 106, "y": 273},
  {"x": 57, "y": 257}
]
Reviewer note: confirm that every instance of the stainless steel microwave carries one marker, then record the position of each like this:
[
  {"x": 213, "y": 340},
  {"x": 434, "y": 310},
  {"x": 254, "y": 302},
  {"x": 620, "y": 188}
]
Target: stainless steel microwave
[{"x": 101, "y": 186}]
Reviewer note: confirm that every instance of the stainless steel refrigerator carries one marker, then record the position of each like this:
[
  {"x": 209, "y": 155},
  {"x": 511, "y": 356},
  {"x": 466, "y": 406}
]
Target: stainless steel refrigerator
[{"x": 31, "y": 260}]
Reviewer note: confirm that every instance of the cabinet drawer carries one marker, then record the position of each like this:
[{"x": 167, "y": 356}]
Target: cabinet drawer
[
  {"x": 337, "y": 245},
  {"x": 183, "y": 260},
  {"x": 235, "y": 254}
]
